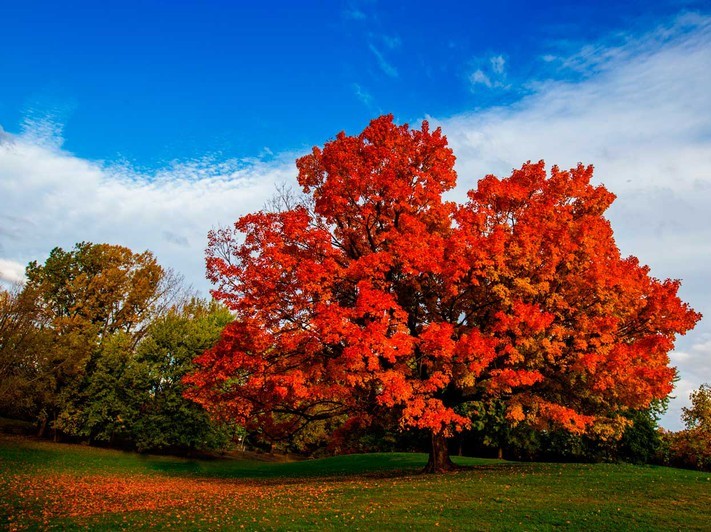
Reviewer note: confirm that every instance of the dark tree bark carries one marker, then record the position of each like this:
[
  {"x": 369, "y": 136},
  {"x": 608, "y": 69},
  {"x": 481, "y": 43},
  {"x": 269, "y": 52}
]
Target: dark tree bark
[
  {"x": 439, "y": 461},
  {"x": 42, "y": 428}
]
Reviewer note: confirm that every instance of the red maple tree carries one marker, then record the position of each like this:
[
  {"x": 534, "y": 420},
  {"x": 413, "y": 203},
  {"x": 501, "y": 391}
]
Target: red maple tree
[{"x": 381, "y": 294}]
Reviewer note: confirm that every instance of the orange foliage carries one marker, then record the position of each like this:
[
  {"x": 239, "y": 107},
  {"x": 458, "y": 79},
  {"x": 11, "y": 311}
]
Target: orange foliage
[
  {"x": 380, "y": 294},
  {"x": 41, "y": 498}
]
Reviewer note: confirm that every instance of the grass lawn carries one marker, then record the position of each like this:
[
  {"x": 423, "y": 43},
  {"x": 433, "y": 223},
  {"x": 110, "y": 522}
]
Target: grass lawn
[{"x": 65, "y": 486}]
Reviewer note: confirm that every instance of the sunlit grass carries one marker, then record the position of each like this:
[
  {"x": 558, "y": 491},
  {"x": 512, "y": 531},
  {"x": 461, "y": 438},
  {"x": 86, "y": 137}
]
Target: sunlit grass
[{"x": 72, "y": 487}]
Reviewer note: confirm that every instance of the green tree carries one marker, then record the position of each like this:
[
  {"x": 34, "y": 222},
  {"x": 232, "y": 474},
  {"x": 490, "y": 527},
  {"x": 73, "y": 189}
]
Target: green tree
[
  {"x": 165, "y": 419},
  {"x": 110, "y": 395},
  {"x": 640, "y": 442}
]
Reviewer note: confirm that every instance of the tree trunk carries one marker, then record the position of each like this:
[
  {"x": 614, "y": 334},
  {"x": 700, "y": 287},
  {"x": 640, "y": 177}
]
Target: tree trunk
[
  {"x": 439, "y": 461},
  {"x": 42, "y": 428}
]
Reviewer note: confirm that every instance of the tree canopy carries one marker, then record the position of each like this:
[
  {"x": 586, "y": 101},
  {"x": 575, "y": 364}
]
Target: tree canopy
[
  {"x": 379, "y": 296},
  {"x": 68, "y": 314},
  {"x": 698, "y": 415},
  {"x": 691, "y": 447}
]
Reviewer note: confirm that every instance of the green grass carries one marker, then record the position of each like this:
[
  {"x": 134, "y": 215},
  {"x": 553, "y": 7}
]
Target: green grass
[{"x": 69, "y": 487}]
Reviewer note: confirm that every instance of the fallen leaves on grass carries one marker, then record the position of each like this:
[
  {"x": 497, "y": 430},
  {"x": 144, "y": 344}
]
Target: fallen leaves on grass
[{"x": 42, "y": 498}]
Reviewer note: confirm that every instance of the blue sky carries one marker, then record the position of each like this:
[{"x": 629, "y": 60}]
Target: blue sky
[
  {"x": 152, "y": 82},
  {"x": 147, "y": 124}
]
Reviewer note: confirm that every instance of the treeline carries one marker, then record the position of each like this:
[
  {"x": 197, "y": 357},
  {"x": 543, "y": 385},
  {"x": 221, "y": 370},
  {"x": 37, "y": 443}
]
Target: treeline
[
  {"x": 94, "y": 346},
  {"x": 492, "y": 435}
]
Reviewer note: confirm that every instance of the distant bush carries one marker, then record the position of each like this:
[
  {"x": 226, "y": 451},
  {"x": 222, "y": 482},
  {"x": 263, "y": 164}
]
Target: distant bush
[{"x": 690, "y": 449}]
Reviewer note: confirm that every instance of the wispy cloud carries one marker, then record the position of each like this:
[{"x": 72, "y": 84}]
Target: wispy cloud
[
  {"x": 498, "y": 64},
  {"x": 363, "y": 95},
  {"x": 44, "y": 117},
  {"x": 479, "y": 78},
  {"x": 386, "y": 67},
  {"x": 489, "y": 72},
  {"x": 392, "y": 41},
  {"x": 592, "y": 58},
  {"x": 44, "y": 129},
  {"x": 353, "y": 13}
]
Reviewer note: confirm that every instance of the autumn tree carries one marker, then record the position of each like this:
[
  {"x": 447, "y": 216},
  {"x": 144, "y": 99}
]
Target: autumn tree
[
  {"x": 698, "y": 415},
  {"x": 691, "y": 447},
  {"x": 21, "y": 337},
  {"x": 101, "y": 287},
  {"x": 85, "y": 296},
  {"x": 376, "y": 296},
  {"x": 694, "y": 443}
]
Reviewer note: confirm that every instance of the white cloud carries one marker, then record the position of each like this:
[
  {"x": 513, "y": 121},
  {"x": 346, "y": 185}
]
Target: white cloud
[
  {"x": 43, "y": 130},
  {"x": 640, "y": 114},
  {"x": 44, "y": 118},
  {"x": 697, "y": 358},
  {"x": 49, "y": 198},
  {"x": 11, "y": 272}
]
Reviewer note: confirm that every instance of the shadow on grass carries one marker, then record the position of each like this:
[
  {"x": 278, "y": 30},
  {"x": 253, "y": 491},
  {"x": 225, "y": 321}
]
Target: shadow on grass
[
  {"x": 26, "y": 454},
  {"x": 375, "y": 465}
]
